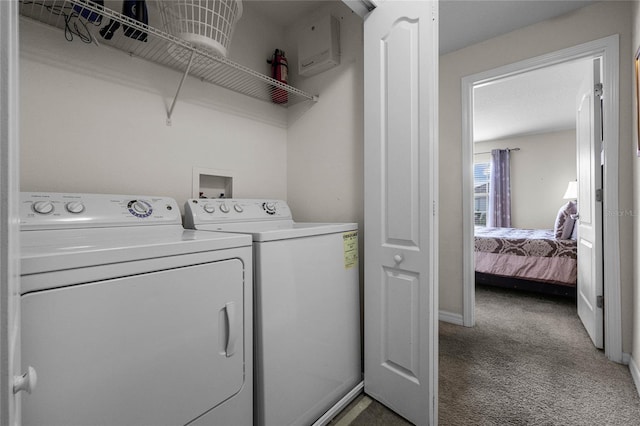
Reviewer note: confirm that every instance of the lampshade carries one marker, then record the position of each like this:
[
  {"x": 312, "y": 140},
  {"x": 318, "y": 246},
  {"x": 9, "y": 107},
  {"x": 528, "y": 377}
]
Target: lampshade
[{"x": 572, "y": 191}]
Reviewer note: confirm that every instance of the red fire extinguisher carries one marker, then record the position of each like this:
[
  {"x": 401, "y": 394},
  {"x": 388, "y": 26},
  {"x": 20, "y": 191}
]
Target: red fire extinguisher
[{"x": 280, "y": 72}]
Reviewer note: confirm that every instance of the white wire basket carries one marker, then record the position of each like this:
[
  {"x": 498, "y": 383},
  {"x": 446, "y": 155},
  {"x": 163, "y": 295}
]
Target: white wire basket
[{"x": 207, "y": 24}]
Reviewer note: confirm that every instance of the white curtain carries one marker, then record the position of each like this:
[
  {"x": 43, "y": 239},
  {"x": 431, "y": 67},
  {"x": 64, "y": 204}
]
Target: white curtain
[{"x": 499, "y": 211}]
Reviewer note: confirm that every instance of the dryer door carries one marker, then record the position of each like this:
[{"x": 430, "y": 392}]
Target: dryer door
[{"x": 157, "y": 348}]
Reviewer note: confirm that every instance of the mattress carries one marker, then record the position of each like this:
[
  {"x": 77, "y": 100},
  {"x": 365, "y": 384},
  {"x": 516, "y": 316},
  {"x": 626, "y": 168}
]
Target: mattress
[{"x": 531, "y": 254}]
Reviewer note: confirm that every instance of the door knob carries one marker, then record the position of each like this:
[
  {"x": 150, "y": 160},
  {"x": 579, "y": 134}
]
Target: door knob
[
  {"x": 27, "y": 382},
  {"x": 398, "y": 258}
]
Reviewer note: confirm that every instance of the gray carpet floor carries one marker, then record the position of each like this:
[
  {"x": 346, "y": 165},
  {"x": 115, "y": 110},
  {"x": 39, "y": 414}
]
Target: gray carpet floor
[{"x": 528, "y": 361}]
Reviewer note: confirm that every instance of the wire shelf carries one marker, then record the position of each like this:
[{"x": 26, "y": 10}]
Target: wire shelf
[{"x": 85, "y": 19}]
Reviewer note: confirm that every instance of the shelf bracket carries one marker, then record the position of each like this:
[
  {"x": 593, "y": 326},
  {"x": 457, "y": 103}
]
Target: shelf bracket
[{"x": 175, "y": 98}]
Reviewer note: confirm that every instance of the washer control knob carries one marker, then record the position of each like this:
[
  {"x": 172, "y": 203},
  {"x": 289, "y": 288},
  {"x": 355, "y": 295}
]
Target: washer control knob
[
  {"x": 209, "y": 208},
  {"x": 140, "y": 207},
  {"x": 269, "y": 207},
  {"x": 238, "y": 208},
  {"x": 224, "y": 208},
  {"x": 75, "y": 207},
  {"x": 43, "y": 207}
]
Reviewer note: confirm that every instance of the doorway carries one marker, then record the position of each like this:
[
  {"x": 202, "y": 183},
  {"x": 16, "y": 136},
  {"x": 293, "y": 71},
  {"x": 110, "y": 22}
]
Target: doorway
[{"x": 607, "y": 49}]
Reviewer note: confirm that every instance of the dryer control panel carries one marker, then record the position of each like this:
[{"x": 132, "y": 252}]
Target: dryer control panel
[
  {"x": 46, "y": 210},
  {"x": 227, "y": 210}
]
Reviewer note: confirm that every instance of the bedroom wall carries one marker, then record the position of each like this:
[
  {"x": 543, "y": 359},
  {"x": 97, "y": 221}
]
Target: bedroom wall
[
  {"x": 589, "y": 23},
  {"x": 635, "y": 353},
  {"x": 93, "y": 120},
  {"x": 540, "y": 172}
]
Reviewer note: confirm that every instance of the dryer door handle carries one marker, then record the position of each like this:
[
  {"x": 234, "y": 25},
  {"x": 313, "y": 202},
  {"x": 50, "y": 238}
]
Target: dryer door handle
[
  {"x": 232, "y": 327},
  {"x": 26, "y": 382}
]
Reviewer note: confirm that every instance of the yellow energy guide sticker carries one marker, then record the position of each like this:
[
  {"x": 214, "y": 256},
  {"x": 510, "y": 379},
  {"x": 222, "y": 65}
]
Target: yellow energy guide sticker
[{"x": 350, "y": 242}]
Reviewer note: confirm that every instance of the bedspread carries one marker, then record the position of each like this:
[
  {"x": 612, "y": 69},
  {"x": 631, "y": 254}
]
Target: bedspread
[{"x": 532, "y": 254}]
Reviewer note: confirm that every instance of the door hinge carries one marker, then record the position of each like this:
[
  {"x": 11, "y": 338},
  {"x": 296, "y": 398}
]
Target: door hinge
[
  {"x": 600, "y": 302},
  {"x": 599, "y": 195},
  {"x": 597, "y": 88},
  {"x": 434, "y": 207}
]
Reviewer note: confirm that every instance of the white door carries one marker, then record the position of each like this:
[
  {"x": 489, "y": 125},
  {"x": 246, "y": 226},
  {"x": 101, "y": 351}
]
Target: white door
[
  {"x": 9, "y": 230},
  {"x": 400, "y": 295},
  {"x": 589, "y": 145}
]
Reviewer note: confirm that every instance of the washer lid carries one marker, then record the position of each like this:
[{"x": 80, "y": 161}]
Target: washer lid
[
  {"x": 54, "y": 250},
  {"x": 281, "y": 230}
]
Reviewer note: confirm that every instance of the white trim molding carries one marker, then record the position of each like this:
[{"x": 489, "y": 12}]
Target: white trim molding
[
  {"x": 9, "y": 218},
  {"x": 635, "y": 373},
  {"x": 340, "y": 405},
  {"x": 608, "y": 49},
  {"x": 450, "y": 317},
  {"x": 468, "y": 222}
]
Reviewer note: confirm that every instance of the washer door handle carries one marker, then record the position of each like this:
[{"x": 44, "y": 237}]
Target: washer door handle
[{"x": 232, "y": 327}]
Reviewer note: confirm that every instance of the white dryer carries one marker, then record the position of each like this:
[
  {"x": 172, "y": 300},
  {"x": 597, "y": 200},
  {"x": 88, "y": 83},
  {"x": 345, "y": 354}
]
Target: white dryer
[
  {"x": 128, "y": 319},
  {"x": 307, "y": 307}
]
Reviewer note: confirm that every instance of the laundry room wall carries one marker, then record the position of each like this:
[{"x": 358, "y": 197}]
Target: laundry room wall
[
  {"x": 592, "y": 22},
  {"x": 326, "y": 140},
  {"x": 94, "y": 120}
]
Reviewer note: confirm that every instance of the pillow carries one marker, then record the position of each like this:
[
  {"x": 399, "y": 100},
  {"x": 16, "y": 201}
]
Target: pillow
[
  {"x": 563, "y": 227},
  {"x": 567, "y": 230},
  {"x": 574, "y": 233}
]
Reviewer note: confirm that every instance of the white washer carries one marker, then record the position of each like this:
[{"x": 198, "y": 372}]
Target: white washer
[
  {"x": 128, "y": 319},
  {"x": 307, "y": 307}
]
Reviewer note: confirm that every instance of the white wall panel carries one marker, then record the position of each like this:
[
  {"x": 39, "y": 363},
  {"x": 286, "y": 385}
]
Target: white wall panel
[
  {"x": 93, "y": 120},
  {"x": 325, "y": 140},
  {"x": 635, "y": 44}
]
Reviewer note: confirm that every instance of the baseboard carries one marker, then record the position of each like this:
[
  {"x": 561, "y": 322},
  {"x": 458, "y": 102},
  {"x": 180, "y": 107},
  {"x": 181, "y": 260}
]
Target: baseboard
[
  {"x": 450, "y": 317},
  {"x": 340, "y": 405},
  {"x": 635, "y": 373}
]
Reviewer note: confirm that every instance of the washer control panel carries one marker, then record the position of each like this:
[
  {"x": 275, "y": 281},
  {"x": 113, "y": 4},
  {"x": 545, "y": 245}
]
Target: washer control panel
[
  {"x": 226, "y": 210},
  {"x": 45, "y": 210}
]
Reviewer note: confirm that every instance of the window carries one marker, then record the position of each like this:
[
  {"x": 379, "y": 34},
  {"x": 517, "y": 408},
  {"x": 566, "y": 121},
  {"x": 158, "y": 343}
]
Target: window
[{"x": 481, "y": 172}]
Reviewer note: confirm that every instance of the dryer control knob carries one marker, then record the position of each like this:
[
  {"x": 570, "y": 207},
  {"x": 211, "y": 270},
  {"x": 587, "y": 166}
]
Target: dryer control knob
[
  {"x": 209, "y": 208},
  {"x": 238, "y": 208},
  {"x": 43, "y": 207},
  {"x": 224, "y": 208},
  {"x": 75, "y": 207},
  {"x": 270, "y": 208}
]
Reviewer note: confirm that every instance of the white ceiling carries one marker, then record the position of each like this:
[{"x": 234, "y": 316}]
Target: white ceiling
[
  {"x": 534, "y": 102},
  {"x": 284, "y": 12},
  {"x": 537, "y": 102},
  {"x": 463, "y": 23}
]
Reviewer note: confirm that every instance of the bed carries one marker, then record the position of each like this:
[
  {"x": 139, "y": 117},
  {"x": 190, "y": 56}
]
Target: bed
[{"x": 528, "y": 259}]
